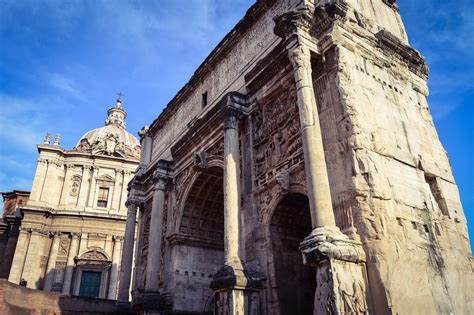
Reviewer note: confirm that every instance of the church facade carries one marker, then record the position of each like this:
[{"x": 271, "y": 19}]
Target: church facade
[
  {"x": 299, "y": 171},
  {"x": 72, "y": 226}
]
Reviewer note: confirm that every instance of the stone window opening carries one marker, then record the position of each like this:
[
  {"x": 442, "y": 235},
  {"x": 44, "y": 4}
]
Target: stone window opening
[
  {"x": 204, "y": 99},
  {"x": 103, "y": 197}
]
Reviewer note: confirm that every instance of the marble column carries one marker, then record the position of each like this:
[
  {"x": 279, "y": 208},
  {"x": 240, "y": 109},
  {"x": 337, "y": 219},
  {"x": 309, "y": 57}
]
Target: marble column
[
  {"x": 317, "y": 180},
  {"x": 236, "y": 289},
  {"x": 231, "y": 188},
  {"x": 153, "y": 266},
  {"x": 127, "y": 252},
  {"x": 48, "y": 283},
  {"x": 70, "y": 263},
  {"x": 114, "y": 268},
  {"x": 293, "y": 27},
  {"x": 338, "y": 260},
  {"x": 18, "y": 262}
]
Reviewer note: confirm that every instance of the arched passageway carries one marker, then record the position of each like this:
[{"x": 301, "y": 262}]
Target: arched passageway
[
  {"x": 295, "y": 283},
  {"x": 199, "y": 250}
]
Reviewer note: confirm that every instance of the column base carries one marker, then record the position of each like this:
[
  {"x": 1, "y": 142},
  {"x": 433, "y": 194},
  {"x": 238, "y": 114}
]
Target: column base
[
  {"x": 340, "y": 271},
  {"x": 236, "y": 291},
  {"x": 151, "y": 302}
]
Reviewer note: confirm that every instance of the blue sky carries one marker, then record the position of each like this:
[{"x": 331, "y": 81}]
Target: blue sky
[{"x": 62, "y": 63}]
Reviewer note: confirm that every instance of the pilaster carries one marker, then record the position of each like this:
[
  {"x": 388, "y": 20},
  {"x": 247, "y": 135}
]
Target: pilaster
[
  {"x": 85, "y": 183},
  {"x": 91, "y": 197},
  {"x": 32, "y": 260},
  {"x": 117, "y": 193},
  {"x": 65, "y": 188}
]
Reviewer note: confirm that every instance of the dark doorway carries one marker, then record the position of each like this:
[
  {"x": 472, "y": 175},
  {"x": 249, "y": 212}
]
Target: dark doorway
[
  {"x": 296, "y": 283},
  {"x": 90, "y": 284}
]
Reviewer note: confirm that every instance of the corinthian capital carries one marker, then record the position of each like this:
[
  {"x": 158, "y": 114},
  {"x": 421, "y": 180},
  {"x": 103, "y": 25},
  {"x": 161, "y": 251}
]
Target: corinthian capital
[
  {"x": 234, "y": 106},
  {"x": 132, "y": 203},
  {"x": 293, "y": 23},
  {"x": 162, "y": 174}
]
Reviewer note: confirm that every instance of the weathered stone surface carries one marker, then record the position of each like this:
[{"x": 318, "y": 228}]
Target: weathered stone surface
[{"x": 337, "y": 135}]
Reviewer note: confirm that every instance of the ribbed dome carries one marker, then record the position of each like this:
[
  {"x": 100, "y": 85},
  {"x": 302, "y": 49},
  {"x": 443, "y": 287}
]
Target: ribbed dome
[{"x": 111, "y": 139}]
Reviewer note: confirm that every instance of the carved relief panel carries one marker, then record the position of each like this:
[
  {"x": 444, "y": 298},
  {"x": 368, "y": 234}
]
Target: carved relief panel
[
  {"x": 277, "y": 140},
  {"x": 75, "y": 185}
]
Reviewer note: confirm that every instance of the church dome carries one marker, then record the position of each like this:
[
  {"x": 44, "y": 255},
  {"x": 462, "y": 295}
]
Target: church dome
[{"x": 112, "y": 139}]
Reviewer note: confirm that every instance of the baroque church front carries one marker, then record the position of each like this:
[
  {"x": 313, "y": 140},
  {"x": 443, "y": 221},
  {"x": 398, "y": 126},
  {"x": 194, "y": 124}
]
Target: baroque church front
[{"x": 73, "y": 224}]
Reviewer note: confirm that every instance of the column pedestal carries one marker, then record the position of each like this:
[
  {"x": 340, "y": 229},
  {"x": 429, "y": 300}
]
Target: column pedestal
[
  {"x": 341, "y": 283},
  {"x": 236, "y": 291}
]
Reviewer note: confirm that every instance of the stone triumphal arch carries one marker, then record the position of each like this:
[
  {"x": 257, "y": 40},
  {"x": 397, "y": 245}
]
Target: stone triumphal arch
[{"x": 297, "y": 172}]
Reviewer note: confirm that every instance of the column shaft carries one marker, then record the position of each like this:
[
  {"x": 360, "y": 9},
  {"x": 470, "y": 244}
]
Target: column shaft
[
  {"x": 317, "y": 180},
  {"x": 18, "y": 262},
  {"x": 48, "y": 283},
  {"x": 114, "y": 269},
  {"x": 154, "y": 239},
  {"x": 70, "y": 264},
  {"x": 231, "y": 191},
  {"x": 127, "y": 253}
]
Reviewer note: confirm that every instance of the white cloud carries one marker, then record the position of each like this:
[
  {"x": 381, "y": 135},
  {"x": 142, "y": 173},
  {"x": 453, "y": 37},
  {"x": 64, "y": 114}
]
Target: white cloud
[{"x": 64, "y": 84}]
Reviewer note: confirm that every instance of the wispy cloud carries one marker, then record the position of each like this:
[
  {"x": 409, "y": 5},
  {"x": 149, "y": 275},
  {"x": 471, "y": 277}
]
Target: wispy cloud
[{"x": 64, "y": 84}]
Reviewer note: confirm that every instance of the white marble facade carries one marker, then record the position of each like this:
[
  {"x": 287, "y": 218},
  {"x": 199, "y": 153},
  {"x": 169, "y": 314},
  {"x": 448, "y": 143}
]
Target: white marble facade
[{"x": 73, "y": 224}]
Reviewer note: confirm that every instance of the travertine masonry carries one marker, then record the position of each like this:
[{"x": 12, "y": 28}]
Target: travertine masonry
[{"x": 328, "y": 192}]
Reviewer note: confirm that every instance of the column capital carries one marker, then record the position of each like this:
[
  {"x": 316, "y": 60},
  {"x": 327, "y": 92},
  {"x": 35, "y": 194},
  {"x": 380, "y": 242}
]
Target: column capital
[
  {"x": 135, "y": 202},
  {"x": 55, "y": 233},
  {"x": 87, "y": 167},
  {"x": 234, "y": 106},
  {"x": 291, "y": 24},
  {"x": 117, "y": 238},
  {"x": 144, "y": 132},
  {"x": 162, "y": 174},
  {"x": 24, "y": 229},
  {"x": 37, "y": 231},
  {"x": 75, "y": 235},
  {"x": 160, "y": 180}
]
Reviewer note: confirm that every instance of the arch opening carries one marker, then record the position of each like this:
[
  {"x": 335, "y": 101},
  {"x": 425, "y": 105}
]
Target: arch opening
[
  {"x": 295, "y": 282},
  {"x": 199, "y": 245}
]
